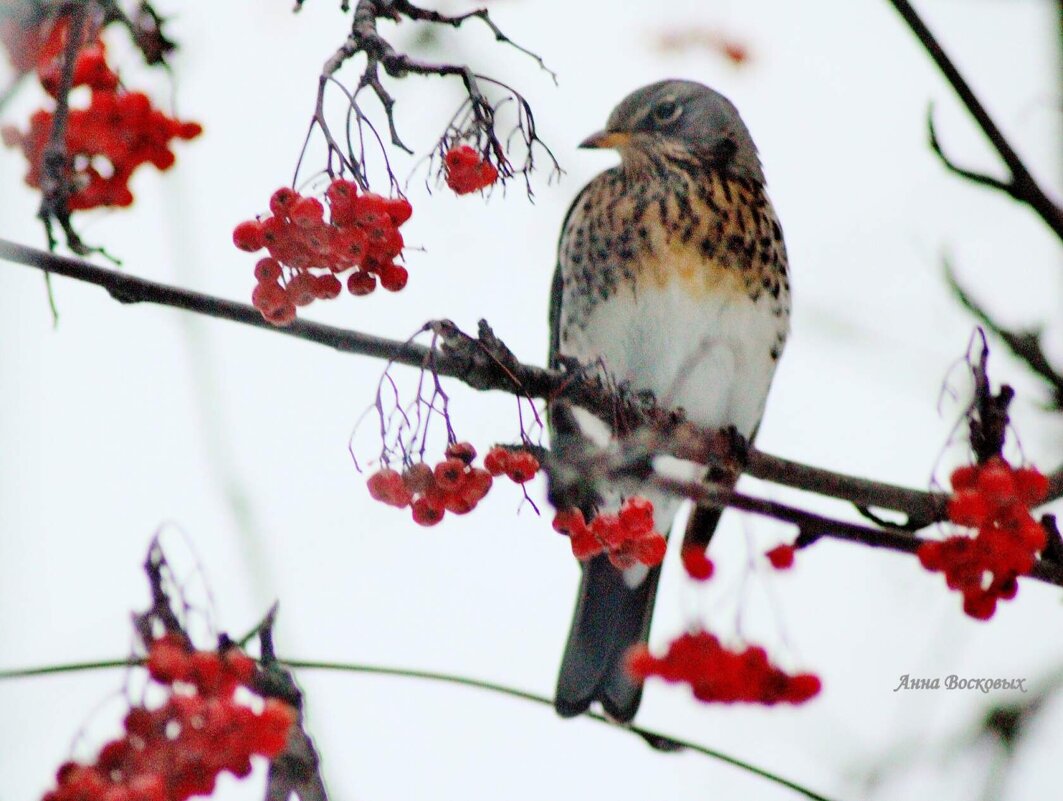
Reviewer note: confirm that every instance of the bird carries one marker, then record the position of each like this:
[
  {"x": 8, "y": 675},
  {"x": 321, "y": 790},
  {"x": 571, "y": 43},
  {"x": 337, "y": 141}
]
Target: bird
[{"x": 671, "y": 279}]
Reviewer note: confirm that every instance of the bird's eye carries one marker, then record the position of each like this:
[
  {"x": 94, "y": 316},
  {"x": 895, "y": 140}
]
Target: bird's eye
[{"x": 666, "y": 112}]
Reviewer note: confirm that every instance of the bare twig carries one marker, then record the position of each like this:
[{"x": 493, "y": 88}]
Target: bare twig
[
  {"x": 365, "y": 39},
  {"x": 1021, "y": 184},
  {"x": 1026, "y": 345}
]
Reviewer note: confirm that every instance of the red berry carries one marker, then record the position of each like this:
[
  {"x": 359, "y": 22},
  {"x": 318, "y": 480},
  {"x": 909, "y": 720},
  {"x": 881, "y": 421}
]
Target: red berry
[
  {"x": 426, "y": 513},
  {"x": 282, "y": 201},
  {"x": 964, "y": 477},
  {"x": 267, "y": 270},
  {"x": 393, "y": 277},
  {"x": 280, "y": 315},
  {"x": 327, "y": 287},
  {"x": 449, "y": 474},
  {"x": 636, "y": 515},
  {"x": 522, "y": 466},
  {"x": 781, "y": 557},
  {"x": 477, "y": 484},
  {"x": 168, "y": 662},
  {"x": 301, "y": 289},
  {"x": 650, "y": 549},
  {"x": 399, "y": 210},
  {"x": 1031, "y": 485},
  {"x": 341, "y": 190},
  {"x": 995, "y": 481},
  {"x": 307, "y": 211},
  {"x": 418, "y": 478},
  {"x": 569, "y": 521},
  {"x": 361, "y": 283},
  {"x": 968, "y": 508},
  {"x": 248, "y": 236},
  {"x": 696, "y": 563},
  {"x": 979, "y": 604},
  {"x": 496, "y": 462},
  {"x": 387, "y": 486},
  {"x": 461, "y": 450}
]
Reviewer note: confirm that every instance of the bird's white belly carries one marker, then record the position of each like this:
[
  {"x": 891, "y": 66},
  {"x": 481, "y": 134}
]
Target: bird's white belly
[{"x": 708, "y": 353}]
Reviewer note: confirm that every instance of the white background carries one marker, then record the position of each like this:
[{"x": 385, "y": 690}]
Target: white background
[{"x": 125, "y": 419}]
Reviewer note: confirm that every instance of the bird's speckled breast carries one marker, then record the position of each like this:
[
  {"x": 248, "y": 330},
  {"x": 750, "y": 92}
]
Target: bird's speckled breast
[{"x": 673, "y": 275}]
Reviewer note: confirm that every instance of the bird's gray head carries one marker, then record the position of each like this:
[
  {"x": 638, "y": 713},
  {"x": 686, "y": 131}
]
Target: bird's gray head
[{"x": 678, "y": 116}]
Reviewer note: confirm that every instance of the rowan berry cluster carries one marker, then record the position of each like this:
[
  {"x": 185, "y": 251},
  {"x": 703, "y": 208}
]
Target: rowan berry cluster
[
  {"x": 627, "y": 537},
  {"x": 994, "y": 498},
  {"x": 106, "y": 141},
  {"x": 717, "y": 673},
  {"x": 466, "y": 171},
  {"x": 452, "y": 485},
  {"x": 178, "y": 749},
  {"x": 306, "y": 253}
]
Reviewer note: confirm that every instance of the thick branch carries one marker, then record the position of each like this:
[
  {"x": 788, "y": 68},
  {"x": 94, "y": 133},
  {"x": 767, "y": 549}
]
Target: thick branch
[
  {"x": 1022, "y": 185},
  {"x": 484, "y": 363}
]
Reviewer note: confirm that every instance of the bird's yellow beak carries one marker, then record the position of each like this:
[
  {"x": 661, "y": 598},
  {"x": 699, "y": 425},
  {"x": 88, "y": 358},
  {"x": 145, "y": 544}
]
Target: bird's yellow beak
[{"x": 602, "y": 139}]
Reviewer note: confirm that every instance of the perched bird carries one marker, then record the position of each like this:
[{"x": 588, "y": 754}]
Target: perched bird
[{"x": 671, "y": 278}]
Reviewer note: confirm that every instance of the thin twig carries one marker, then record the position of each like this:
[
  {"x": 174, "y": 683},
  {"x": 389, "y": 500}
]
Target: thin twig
[
  {"x": 1022, "y": 185},
  {"x": 663, "y": 742}
]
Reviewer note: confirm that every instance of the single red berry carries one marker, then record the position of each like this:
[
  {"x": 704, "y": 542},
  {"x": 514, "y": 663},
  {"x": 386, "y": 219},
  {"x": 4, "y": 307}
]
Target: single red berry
[
  {"x": 418, "y": 478},
  {"x": 697, "y": 563},
  {"x": 426, "y": 513},
  {"x": 964, "y": 477},
  {"x": 341, "y": 190},
  {"x": 477, "y": 484},
  {"x": 280, "y": 204},
  {"x": 267, "y": 296},
  {"x": 567, "y": 521},
  {"x": 930, "y": 555},
  {"x": 457, "y": 503},
  {"x": 979, "y": 604},
  {"x": 968, "y": 508},
  {"x": 496, "y": 462},
  {"x": 301, "y": 289},
  {"x": 449, "y": 474},
  {"x": 327, "y": 286},
  {"x": 399, "y": 210},
  {"x": 781, "y": 557},
  {"x": 394, "y": 277},
  {"x": 522, "y": 466},
  {"x": 1031, "y": 485},
  {"x": 584, "y": 544},
  {"x": 248, "y": 236},
  {"x": 386, "y": 486},
  {"x": 307, "y": 211},
  {"x": 361, "y": 283},
  {"x": 280, "y": 315},
  {"x": 168, "y": 662},
  {"x": 636, "y": 515},
  {"x": 650, "y": 548},
  {"x": 461, "y": 450},
  {"x": 267, "y": 270},
  {"x": 995, "y": 480}
]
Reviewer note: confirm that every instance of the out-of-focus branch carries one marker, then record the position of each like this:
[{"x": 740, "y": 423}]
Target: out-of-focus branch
[
  {"x": 485, "y": 363},
  {"x": 1020, "y": 184},
  {"x": 1025, "y": 345}
]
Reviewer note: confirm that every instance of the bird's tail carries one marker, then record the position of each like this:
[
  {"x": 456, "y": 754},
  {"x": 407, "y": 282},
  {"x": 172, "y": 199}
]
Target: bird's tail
[{"x": 610, "y": 617}]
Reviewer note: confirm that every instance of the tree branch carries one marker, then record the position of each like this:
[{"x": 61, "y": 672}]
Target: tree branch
[
  {"x": 662, "y": 742},
  {"x": 485, "y": 363},
  {"x": 1021, "y": 185}
]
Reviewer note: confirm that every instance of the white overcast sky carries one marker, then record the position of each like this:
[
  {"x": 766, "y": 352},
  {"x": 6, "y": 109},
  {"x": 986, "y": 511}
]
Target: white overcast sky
[{"x": 125, "y": 419}]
